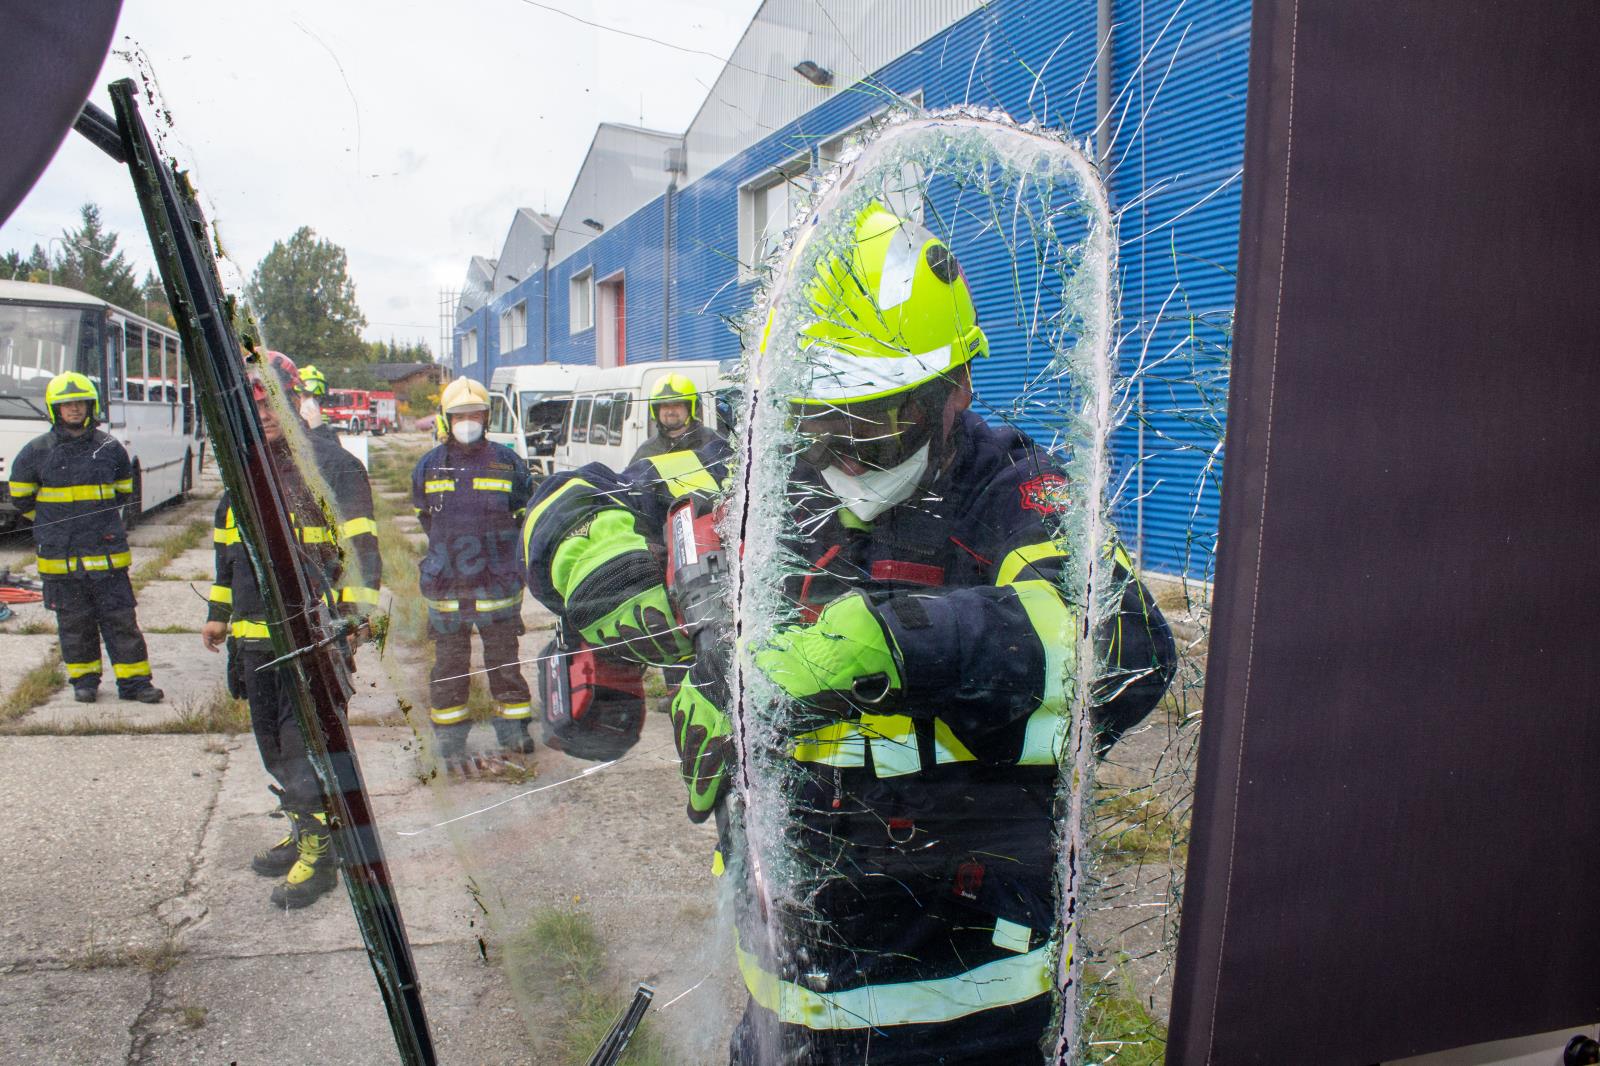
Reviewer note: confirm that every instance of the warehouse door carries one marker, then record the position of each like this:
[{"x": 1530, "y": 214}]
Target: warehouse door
[{"x": 611, "y": 326}]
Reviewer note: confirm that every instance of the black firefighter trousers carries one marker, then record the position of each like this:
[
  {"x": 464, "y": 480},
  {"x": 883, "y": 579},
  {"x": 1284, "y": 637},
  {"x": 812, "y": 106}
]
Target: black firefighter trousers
[
  {"x": 278, "y": 736},
  {"x": 89, "y": 608}
]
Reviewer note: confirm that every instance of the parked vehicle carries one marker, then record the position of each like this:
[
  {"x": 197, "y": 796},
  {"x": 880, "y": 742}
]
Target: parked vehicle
[
  {"x": 349, "y": 410},
  {"x": 610, "y": 418},
  {"x": 383, "y": 415},
  {"x": 528, "y": 411},
  {"x": 147, "y": 402}
]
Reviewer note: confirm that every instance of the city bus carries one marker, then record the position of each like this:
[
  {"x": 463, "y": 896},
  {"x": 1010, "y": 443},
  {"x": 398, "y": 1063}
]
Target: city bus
[{"x": 146, "y": 400}]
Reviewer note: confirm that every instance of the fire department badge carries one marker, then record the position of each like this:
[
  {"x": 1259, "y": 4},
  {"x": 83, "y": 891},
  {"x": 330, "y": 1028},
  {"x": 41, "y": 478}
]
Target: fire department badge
[{"x": 1046, "y": 494}]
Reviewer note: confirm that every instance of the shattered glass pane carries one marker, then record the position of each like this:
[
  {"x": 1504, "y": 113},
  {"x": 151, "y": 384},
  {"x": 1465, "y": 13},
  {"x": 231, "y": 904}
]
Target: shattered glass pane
[{"x": 834, "y": 678}]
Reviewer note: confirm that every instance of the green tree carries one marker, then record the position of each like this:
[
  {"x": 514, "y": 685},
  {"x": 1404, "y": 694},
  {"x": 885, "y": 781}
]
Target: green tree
[
  {"x": 91, "y": 262},
  {"x": 306, "y": 302}
]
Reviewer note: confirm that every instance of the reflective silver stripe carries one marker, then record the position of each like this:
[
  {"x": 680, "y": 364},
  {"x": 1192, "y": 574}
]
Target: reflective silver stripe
[
  {"x": 482, "y": 606},
  {"x": 492, "y": 484},
  {"x": 517, "y": 710},
  {"x": 441, "y": 485}
]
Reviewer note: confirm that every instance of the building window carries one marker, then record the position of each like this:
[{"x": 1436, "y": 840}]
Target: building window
[
  {"x": 580, "y": 305},
  {"x": 514, "y": 327},
  {"x": 766, "y": 208},
  {"x": 902, "y": 192},
  {"x": 469, "y": 347}
]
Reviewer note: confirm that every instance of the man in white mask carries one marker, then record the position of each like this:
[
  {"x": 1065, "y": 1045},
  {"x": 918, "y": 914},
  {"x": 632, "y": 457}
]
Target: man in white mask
[
  {"x": 469, "y": 494},
  {"x": 922, "y": 655}
]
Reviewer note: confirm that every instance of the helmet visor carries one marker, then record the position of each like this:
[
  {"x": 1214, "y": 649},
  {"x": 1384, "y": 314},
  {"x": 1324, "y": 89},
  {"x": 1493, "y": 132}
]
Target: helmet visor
[{"x": 879, "y": 434}]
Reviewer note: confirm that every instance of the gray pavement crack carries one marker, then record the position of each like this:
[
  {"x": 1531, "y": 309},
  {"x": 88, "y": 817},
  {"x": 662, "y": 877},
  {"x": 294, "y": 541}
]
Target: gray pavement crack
[{"x": 175, "y": 918}]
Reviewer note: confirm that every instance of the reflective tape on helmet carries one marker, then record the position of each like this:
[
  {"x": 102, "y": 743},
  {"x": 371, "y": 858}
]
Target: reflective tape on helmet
[
  {"x": 86, "y": 563},
  {"x": 683, "y": 473},
  {"x": 439, "y": 485},
  {"x": 77, "y": 670},
  {"x": 77, "y": 493},
  {"x": 124, "y": 671},
  {"x": 1002, "y": 983},
  {"x": 245, "y": 629},
  {"x": 448, "y": 715},
  {"x": 491, "y": 484}
]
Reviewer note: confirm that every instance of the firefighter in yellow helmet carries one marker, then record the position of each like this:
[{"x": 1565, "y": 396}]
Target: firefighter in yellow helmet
[
  {"x": 676, "y": 413},
  {"x": 470, "y": 494},
  {"x": 73, "y": 482},
  {"x": 922, "y": 659}
]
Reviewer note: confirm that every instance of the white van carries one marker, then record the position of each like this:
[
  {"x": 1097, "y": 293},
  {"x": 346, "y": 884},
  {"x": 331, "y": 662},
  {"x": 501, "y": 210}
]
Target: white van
[
  {"x": 610, "y": 417},
  {"x": 528, "y": 411}
]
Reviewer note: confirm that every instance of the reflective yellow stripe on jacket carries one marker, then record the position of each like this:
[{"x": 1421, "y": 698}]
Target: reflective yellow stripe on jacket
[
  {"x": 76, "y": 493},
  {"x": 491, "y": 484},
  {"x": 1001, "y": 983}
]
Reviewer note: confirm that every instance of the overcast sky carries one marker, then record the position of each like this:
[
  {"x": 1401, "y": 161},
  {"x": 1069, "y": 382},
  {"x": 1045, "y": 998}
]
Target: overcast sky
[{"x": 407, "y": 132}]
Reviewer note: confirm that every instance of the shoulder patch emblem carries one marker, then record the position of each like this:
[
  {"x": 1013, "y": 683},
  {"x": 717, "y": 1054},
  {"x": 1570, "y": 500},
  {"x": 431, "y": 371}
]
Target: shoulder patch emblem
[{"x": 1046, "y": 494}]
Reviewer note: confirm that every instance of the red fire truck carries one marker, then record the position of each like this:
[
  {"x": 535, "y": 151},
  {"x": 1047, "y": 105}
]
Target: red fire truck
[{"x": 360, "y": 411}]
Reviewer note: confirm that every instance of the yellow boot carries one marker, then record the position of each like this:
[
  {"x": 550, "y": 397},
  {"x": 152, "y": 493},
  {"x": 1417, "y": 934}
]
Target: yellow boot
[{"x": 313, "y": 873}]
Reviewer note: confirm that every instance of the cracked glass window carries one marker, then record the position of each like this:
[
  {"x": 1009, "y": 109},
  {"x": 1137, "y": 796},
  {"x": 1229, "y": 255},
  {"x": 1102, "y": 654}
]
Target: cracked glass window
[{"x": 687, "y": 539}]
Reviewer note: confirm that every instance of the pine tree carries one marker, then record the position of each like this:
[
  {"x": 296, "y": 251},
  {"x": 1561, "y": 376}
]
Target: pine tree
[
  {"x": 302, "y": 293},
  {"x": 90, "y": 262}
]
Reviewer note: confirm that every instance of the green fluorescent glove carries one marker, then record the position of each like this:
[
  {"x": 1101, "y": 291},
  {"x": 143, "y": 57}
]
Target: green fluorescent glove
[
  {"x": 612, "y": 587},
  {"x": 845, "y": 645},
  {"x": 644, "y": 627},
  {"x": 704, "y": 736}
]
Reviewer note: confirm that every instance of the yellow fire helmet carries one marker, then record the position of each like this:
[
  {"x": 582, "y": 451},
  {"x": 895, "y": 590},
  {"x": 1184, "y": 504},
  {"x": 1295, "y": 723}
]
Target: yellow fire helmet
[
  {"x": 893, "y": 312},
  {"x": 313, "y": 381},
  {"x": 463, "y": 395},
  {"x": 675, "y": 388},
  {"x": 65, "y": 388}
]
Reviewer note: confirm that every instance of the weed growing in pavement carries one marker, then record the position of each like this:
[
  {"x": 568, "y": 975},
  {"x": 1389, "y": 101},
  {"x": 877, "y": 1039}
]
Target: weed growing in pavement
[
  {"x": 1125, "y": 1034},
  {"x": 155, "y": 958},
  {"x": 36, "y": 687},
  {"x": 174, "y": 627},
  {"x": 191, "y": 1017},
  {"x": 216, "y": 712},
  {"x": 1138, "y": 827},
  {"x": 189, "y": 537},
  {"x": 36, "y": 627},
  {"x": 558, "y": 960}
]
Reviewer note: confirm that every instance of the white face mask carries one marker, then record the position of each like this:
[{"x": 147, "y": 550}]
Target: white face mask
[
  {"x": 869, "y": 495},
  {"x": 311, "y": 411},
  {"x": 466, "y": 431}
]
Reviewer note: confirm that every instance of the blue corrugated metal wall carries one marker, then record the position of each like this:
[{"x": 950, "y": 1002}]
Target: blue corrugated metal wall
[{"x": 1179, "y": 72}]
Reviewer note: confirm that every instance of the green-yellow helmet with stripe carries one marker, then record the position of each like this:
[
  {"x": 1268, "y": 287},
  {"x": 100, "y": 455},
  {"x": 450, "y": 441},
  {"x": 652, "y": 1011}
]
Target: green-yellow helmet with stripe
[
  {"x": 675, "y": 388},
  {"x": 892, "y": 313},
  {"x": 65, "y": 388}
]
